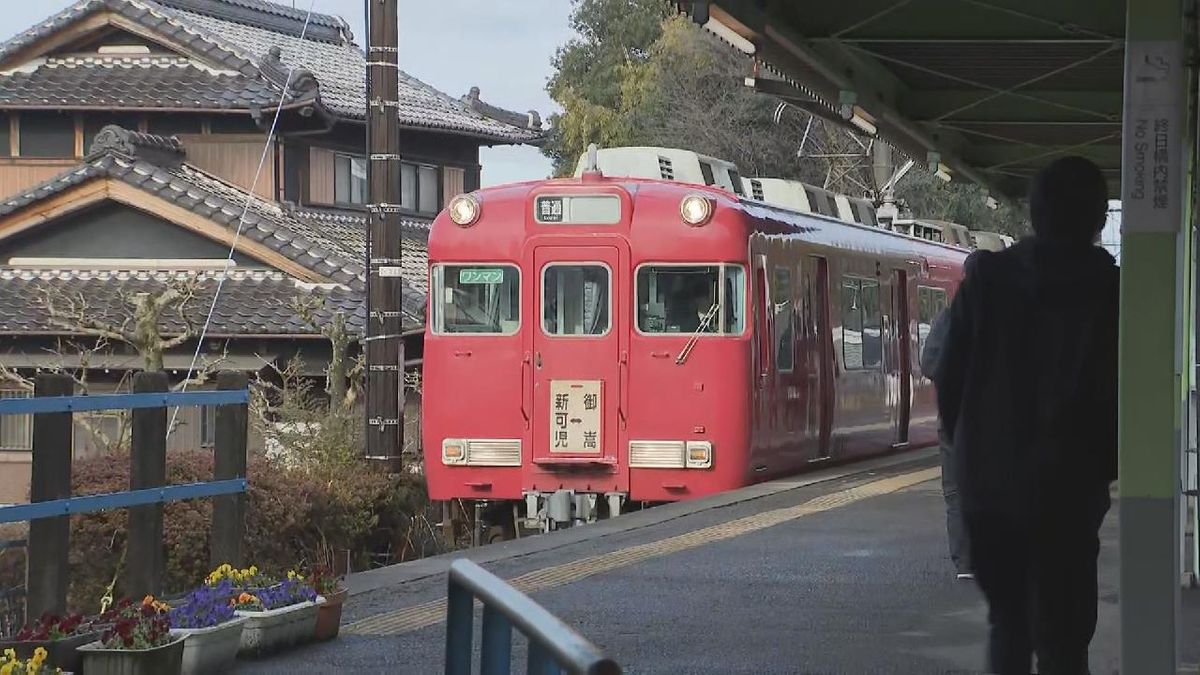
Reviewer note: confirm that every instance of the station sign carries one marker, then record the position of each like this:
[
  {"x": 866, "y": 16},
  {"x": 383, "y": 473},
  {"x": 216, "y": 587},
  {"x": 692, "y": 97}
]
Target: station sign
[{"x": 577, "y": 209}]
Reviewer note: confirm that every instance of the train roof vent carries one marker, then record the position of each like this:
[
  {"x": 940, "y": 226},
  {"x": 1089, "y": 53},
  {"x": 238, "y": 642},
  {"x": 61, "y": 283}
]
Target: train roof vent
[
  {"x": 756, "y": 190},
  {"x": 665, "y": 168}
]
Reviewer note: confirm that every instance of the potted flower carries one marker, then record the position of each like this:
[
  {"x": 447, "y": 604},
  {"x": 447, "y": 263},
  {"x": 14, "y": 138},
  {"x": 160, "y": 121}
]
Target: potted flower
[
  {"x": 60, "y": 636},
  {"x": 11, "y": 664},
  {"x": 138, "y": 642},
  {"x": 329, "y": 614},
  {"x": 213, "y": 631},
  {"x": 278, "y": 615}
]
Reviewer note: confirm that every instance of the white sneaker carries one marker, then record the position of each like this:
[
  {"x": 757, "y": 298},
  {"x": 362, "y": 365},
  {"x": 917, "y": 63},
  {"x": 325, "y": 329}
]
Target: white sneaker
[{"x": 965, "y": 576}]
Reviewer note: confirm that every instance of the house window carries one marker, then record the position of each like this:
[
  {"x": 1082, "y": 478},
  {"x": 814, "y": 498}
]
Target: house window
[
  {"x": 419, "y": 188},
  {"x": 427, "y": 189},
  {"x": 46, "y": 134},
  {"x": 408, "y": 186},
  {"x": 862, "y": 339},
  {"x": 233, "y": 124},
  {"x": 350, "y": 179},
  {"x": 208, "y": 426},
  {"x": 172, "y": 124},
  {"x": 16, "y": 431},
  {"x": 5, "y": 136}
]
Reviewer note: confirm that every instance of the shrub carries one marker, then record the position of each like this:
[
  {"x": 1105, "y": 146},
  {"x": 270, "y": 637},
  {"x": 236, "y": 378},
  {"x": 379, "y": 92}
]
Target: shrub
[{"x": 294, "y": 518}]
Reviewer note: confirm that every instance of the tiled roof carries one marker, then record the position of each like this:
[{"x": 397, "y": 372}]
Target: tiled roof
[
  {"x": 135, "y": 81},
  {"x": 252, "y": 302},
  {"x": 239, "y": 35},
  {"x": 330, "y": 243},
  {"x": 348, "y": 232},
  {"x": 119, "y": 154}
]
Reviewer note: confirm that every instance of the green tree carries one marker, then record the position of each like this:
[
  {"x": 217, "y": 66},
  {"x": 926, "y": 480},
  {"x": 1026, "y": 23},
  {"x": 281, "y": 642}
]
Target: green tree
[
  {"x": 927, "y": 196},
  {"x": 613, "y": 36},
  {"x": 640, "y": 74}
]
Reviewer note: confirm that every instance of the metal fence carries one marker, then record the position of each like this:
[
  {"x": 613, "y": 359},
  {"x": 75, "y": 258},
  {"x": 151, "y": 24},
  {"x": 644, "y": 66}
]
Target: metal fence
[
  {"x": 554, "y": 647},
  {"x": 51, "y": 501}
]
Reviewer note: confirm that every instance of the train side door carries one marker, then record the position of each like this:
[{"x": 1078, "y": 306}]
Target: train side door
[
  {"x": 902, "y": 341},
  {"x": 821, "y": 371},
  {"x": 763, "y": 347},
  {"x": 579, "y": 314}
]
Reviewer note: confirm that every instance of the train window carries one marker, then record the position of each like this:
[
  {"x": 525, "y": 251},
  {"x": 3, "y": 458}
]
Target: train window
[
  {"x": 706, "y": 171},
  {"x": 862, "y": 336},
  {"x": 736, "y": 178},
  {"x": 478, "y": 299},
  {"x": 931, "y": 302},
  {"x": 677, "y": 298},
  {"x": 785, "y": 337},
  {"x": 575, "y": 299}
]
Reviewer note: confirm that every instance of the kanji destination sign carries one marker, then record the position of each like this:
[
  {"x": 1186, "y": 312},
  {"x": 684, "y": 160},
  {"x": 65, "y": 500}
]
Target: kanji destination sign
[{"x": 575, "y": 421}]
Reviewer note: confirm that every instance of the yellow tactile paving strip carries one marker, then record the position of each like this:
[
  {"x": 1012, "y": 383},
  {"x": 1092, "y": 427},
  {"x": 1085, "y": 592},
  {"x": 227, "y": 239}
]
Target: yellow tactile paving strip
[{"x": 431, "y": 613}]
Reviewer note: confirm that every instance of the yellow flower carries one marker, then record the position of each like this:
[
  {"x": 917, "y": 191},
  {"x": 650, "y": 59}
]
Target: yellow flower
[
  {"x": 40, "y": 655},
  {"x": 7, "y": 668},
  {"x": 10, "y": 654}
]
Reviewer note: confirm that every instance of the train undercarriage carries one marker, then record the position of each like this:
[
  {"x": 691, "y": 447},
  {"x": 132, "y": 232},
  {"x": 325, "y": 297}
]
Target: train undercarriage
[{"x": 493, "y": 521}]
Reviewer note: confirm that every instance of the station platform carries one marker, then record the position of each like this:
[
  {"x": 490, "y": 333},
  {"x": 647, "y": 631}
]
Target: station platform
[{"x": 841, "y": 571}]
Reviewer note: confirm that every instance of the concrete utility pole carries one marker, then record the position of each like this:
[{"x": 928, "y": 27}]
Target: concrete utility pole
[{"x": 385, "y": 346}]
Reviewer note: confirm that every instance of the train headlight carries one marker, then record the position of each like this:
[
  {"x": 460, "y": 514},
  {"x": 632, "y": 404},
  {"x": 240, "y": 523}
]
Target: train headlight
[
  {"x": 699, "y": 454},
  {"x": 454, "y": 451},
  {"x": 695, "y": 210},
  {"x": 464, "y": 210}
]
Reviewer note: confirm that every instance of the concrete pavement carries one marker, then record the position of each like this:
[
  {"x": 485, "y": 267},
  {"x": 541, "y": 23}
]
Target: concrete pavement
[{"x": 845, "y": 574}]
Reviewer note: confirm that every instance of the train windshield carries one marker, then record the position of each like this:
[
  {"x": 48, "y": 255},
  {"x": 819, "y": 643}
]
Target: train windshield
[
  {"x": 480, "y": 299},
  {"x": 676, "y": 298}
]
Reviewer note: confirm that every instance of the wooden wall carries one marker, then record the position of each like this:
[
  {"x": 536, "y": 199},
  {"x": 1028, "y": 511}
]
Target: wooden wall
[
  {"x": 321, "y": 167},
  {"x": 234, "y": 157},
  {"x": 18, "y": 175}
]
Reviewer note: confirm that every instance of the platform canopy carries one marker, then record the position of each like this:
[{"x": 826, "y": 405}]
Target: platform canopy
[{"x": 989, "y": 90}]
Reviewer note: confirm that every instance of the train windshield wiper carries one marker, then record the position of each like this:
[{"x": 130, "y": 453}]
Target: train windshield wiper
[{"x": 691, "y": 343}]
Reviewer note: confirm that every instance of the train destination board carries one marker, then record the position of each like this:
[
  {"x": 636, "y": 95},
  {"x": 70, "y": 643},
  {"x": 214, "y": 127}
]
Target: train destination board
[
  {"x": 577, "y": 209},
  {"x": 575, "y": 422}
]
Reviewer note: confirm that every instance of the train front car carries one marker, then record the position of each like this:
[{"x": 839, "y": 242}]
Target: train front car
[{"x": 586, "y": 348}]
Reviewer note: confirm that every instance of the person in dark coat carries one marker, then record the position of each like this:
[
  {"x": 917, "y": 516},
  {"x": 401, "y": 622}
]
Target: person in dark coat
[
  {"x": 1027, "y": 391},
  {"x": 956, "y": 533}
]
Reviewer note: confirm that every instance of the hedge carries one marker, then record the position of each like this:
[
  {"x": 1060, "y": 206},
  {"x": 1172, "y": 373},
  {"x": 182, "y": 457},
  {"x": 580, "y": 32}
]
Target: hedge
[{"x": 293, "y": 517}]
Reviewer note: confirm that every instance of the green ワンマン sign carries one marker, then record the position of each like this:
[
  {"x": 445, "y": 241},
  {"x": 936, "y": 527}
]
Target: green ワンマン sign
[{"x": 481, "y": 275}]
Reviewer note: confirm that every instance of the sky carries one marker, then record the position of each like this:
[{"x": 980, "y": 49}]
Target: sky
[{"x": 504, "y": 48}]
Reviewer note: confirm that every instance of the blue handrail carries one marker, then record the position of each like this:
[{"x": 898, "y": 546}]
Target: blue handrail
[
  {"x": 119, "y": 500},
  {"x": 59, "y": 404},
  {"x": 553, "y": 646}
]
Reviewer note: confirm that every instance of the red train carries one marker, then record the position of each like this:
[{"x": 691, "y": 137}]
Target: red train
[{"x": 595, "y": 343}]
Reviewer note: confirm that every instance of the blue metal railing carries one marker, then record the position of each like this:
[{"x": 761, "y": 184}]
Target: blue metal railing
[
  {"x": 59, "y": 404},
  {"x": 119, "y": 500},
  {"x": 554, "y": 647}
]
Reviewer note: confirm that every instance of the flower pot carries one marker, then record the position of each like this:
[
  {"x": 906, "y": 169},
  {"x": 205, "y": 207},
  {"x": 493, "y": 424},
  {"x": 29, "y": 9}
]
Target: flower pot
[
  {"x": 272, "y": 630},
  {"x": 164, "y": 660},
  {"x": 62, "y": 653},
  {"x": 329, "y": 615},
  {"x": 212, "y": 649}
]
